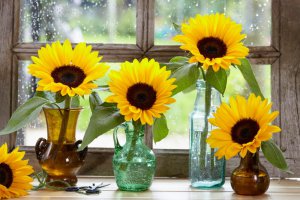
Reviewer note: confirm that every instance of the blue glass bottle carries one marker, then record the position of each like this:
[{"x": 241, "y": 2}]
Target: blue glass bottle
[{"x": 206, "y": 171}]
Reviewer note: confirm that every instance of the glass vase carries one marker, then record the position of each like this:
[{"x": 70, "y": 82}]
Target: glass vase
[
  {"x": 58, "y": 155},
  {"x": 251, "y": 177},
  {"x": 133, "y": 163},
  {"x": 206, "y": 171}
]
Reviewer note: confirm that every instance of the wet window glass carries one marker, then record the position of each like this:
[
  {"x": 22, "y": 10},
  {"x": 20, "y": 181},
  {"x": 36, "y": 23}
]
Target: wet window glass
[
  {"x": 254, "y": 15},
  {"x": 93, "y": 21}
]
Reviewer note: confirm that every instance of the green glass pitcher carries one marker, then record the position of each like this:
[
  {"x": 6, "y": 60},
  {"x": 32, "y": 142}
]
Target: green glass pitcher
[{"x": 133, "y": 163}]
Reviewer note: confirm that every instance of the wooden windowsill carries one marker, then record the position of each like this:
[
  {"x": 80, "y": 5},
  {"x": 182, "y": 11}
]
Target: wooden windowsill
[{"x": 169, "y": 189}]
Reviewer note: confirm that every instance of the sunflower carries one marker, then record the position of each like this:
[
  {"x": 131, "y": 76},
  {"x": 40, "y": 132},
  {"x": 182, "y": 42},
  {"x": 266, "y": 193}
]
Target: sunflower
[
  {"x": 213, "y": 40},
  {"x": 242, "y": 126},
  {"x": 141, "y": 90},
  {"x": 60, "y": 68},
  {"x": 14, "y": 174}
]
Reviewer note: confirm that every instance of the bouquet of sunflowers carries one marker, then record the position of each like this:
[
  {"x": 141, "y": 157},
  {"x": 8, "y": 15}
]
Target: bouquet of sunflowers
[
  {"x": 63, "y": 76},
  {"x": 214, "y": 44}
]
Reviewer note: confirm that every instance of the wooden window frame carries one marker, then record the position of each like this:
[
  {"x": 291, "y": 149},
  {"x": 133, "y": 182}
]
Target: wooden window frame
[{"x": 282, "y": 55}]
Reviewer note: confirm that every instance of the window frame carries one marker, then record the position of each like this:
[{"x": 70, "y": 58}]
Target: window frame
[{"x": 171, "y": 163}]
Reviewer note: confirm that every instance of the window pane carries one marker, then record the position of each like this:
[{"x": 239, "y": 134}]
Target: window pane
[
  {"x": 30, "y": 134},
  {"x": 254, "y": 15},
  {"x": 178, "y": 115},
  {"x": 93, "y": 21}
]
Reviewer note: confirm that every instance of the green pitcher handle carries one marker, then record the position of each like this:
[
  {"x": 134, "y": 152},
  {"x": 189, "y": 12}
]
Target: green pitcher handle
[{"x": 118, "y": 147}]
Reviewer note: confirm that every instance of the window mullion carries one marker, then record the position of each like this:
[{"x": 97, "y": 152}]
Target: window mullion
[
  {"x": 145, "y": 24},
  {"x": 275, "y": 68},
  {"x": 6, "y": 69},
  {"x": 16, "y": 30},
  {"x": 275, "y": 23},
  {"x": 257, "y": 55},
  {"x": 110, "y": 52}
]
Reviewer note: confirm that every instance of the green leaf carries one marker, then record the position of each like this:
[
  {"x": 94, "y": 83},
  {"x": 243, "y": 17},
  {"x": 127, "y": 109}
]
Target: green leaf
[
  {"x": 59, "y": 98},
  {"x": 103, "y": 119},
  {"x": 190, "y": 89},
  {"x": 185, "y": 76},
  {"x": 177, "y": 27},
  {"x": 113, "y": 105},
  {"x": 179, "y": 59},
  {"x": 94, "y": 100},
  {"x": 75, "y": 103},
  {"x": 227, "y": 72},
  {"x": 249, "y": 76},
  {"x": 274, "y": 155},
  {"x": 160, "y": 129},
  {"x": 25, "y": 114},
  {"x": 175, "y": 63},
  {"x": 218, "y": 79},
  {"x": 45, "y": 95},
  {"x": 172, "y": 66}
]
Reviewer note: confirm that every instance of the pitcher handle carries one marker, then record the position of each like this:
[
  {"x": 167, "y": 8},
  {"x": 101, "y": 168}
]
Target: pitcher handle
[
  {"x": 118, "y": 147},
  {"x": 82, "y": 154},
  {"x": 41, "y": 147}
]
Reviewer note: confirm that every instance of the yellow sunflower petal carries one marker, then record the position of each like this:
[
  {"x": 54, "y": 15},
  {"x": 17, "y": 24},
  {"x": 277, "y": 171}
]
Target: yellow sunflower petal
[
  {"x": 17, "y": 170},
  {"x": 232, "y": 150},
  {"x": 243, "y": 152},
  {"x": 56, "y": 62},
  {"x": 213, "y": 32},
  {"x": 242, "y": 126},
  {"x": 141, "y": 90}
]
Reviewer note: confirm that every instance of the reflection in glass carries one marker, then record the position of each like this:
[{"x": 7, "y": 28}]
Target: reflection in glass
[
  {"x": 92, "y": 21},
  {"x": 255, "y": 16},
  {"x": 178, "y": 115}
]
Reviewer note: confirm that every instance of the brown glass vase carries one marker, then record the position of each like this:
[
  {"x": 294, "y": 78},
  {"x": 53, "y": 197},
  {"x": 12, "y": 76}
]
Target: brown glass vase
[
  {"x": 251, "y": 177},
  {"x": 58, "y": 155}
]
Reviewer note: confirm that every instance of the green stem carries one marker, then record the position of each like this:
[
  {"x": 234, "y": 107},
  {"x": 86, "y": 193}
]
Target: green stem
[
  {"x": 203, "y": 137},
  {"x": 202, "y": 71},
  {"x": 64, "y": 125},
  {"x": 137, "y": 126},
  {"x": 212, "y": 159}
]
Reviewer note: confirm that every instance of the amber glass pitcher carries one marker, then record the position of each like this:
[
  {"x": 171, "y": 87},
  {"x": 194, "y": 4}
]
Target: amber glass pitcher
[
  {"x": 58, "y": 154},
  {"x": 251, "y": 177}
]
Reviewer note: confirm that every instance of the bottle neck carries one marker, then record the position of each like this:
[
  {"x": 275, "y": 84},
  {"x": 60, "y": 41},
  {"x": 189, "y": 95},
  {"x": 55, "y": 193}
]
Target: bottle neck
[
  {"x": 55, "y": 122},
  {"x": 250, "y": 161},
  {"x": 206, "y": 95},
  {"x": 131, "y": 135}
]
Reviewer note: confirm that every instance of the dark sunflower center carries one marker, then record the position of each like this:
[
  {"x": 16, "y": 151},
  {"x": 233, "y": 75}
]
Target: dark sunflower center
[
  {"x": 211, "y": 47},
  {"x": 244, "y": 131},
  {"x": 71, "y": 76},
  {"x": 141, "y": 95},
  {"x": 6, "y": 175}
]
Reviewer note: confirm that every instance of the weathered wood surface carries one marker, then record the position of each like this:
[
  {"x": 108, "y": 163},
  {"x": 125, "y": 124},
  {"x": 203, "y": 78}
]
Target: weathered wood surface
[
  {"x": 110, "y": 52},
  {"x": 145, "y": 24},
  {"x": 257, "y": 55},
  {"x": 166, "y": 189},
  {"x": 6, "y": 39},
  {"x": 289, "y": 73},
  {"x": 120, "y": 53}
]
